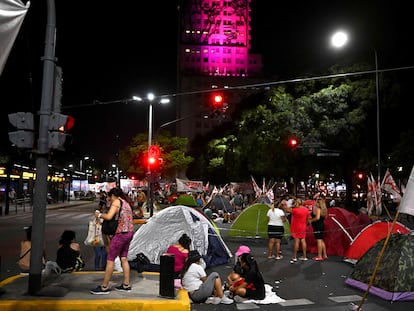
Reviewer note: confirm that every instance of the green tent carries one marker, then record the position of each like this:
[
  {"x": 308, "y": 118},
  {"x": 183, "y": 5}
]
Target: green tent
[
  {"x": 252, "y": 222},
  {"x": 187, "y": 200}
]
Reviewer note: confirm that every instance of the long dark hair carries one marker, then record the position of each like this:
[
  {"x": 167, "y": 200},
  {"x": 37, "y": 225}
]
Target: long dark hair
[
  {"x": 67, "y": 237},
  {"x": 250, "y": 262},
  {"x": 185, "y": 241},
  {"x": 193, "y": 256},
  {"x": 120, "y": 194}
]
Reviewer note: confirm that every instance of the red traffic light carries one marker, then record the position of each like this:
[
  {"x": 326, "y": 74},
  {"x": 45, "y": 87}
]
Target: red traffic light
[
  {"x": 293, "y": 142},
  {"x": 360, "y": 176},
  {"x": 217, "y": 100},
  {"x": 153, "y": 158}
]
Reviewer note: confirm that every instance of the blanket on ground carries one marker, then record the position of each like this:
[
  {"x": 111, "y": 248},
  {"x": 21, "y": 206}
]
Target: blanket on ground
[{"x": 270, "y": 297}]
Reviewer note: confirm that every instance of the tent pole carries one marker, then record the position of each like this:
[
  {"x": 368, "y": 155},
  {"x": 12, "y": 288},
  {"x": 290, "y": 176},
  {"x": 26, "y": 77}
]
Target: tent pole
[{"x": 257, "y": 223}]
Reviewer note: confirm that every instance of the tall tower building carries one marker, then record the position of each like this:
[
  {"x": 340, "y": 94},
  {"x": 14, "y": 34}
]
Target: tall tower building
[{"x": 213, "y": 58}]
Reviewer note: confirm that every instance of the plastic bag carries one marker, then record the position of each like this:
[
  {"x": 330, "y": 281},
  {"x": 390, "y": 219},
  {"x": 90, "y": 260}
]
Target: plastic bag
[{"x": 94, "y": 237}]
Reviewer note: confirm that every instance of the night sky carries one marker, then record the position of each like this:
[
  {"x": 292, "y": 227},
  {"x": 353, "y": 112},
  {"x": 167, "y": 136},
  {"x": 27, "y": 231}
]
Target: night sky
[{"x": 110, "y": 51}]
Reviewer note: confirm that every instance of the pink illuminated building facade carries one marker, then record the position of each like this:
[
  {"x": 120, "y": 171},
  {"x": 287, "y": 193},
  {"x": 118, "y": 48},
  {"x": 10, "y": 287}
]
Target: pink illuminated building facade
[{"x": 213, "y": 56}]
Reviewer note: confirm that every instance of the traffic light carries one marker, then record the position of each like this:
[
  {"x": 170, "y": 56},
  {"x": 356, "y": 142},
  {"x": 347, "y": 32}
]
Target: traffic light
[
  {"x": 58, "y": 125},
  {"x": 154, "y": 159},
  {"x": 24, "y": 137},
  {"x": 360, "y": 176},
  {"x": 293, "y": 143},
  {"x": 218, "y": 103}
]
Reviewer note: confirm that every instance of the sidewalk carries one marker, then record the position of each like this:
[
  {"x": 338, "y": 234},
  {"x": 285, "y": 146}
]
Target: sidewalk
[{"x": 70, "y": 291}]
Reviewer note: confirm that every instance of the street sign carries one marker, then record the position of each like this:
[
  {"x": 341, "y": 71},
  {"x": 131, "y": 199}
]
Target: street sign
[{"x": 310, "y": 150}]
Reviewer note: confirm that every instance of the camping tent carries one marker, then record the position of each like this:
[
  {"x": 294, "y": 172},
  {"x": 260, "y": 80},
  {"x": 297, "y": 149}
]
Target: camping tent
[
  {"x": 394, "y": 278},
  {"x": 252, "y": 222},
  {"x": 370, "y": 235},
  {"x": 167, "y": 226},
  {"x": 341, "y": 227},
  {"x": 219, "y": 202},
  {"x": 185, "y": 199}
]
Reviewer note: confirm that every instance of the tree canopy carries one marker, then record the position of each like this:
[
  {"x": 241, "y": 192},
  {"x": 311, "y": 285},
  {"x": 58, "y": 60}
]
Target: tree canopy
[{"x": 173, "y": 154}]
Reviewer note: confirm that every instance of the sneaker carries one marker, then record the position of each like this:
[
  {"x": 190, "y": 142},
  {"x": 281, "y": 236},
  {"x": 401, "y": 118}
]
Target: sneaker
[
  {"x": 228, "y": 294},
  {"x": 213, "y": 300},
  {"x": 303, "y": 258},
  {"x": 279, "y": 257},
  {"x": 293, "y": 260},
  {"x": 99, "y": 291},
  {"x": 239, "y": 299},
  {"x": 123, "y": 288},
  {"x": 226, "y": 300}
]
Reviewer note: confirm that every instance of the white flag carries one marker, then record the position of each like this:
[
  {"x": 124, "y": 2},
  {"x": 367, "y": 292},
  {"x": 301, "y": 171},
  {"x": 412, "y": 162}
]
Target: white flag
[
  {"x": 389, "y": 185},
  {"x": 12, "y": 13},
  {"x": 407, "y": 201},
  {"x": 256, "y": 188}
]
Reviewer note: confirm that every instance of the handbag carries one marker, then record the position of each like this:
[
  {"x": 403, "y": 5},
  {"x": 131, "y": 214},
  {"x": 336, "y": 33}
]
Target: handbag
[
  {"x": 94, "y": 237},
  {"x": 109, "y": 226}
]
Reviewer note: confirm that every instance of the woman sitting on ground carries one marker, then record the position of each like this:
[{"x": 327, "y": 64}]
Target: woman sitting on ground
[
  {"x": 25, "y": 252},
  {"x": 200, "y": 286},
  {"x": 253, "y": 285},
  {"x": 235, "y": 277},
  {"x": 69, "y": 253},
  {"x": 180, "y": 252}
]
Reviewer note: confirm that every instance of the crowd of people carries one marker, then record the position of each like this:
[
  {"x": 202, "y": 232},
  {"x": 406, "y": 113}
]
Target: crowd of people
[{"x": 245, "y": 280}]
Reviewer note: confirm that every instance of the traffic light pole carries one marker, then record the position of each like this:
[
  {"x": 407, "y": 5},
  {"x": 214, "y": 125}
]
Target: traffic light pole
[
  {"x": 42, "y": 155},
  {"x": 150, "y": 202}
]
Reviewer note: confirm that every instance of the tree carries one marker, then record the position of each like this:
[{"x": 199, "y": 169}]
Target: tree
[{"x": 173, "y": 154}]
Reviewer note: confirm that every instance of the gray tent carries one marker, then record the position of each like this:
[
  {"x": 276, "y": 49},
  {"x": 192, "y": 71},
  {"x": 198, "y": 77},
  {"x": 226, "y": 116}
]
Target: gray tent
[{"x": 167, "y": 226}]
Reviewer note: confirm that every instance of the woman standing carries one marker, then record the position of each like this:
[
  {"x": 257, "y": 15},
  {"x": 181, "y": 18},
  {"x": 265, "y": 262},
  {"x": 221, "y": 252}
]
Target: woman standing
[
  {"x": 300, "y": 216},
  {"x": 317, "y": 221},
  {"x": 119, "y": 244},
  {"x": 275, "y": 230}
]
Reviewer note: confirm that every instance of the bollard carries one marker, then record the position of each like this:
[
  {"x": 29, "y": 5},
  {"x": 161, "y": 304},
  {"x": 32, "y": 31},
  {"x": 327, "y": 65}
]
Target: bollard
[{"x": 167, "y": 276}]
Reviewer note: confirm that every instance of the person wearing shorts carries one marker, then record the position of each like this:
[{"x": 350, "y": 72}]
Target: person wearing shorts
[{"x": 119, "y": 244}]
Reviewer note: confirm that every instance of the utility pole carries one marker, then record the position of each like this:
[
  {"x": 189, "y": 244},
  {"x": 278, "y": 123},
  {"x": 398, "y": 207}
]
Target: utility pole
[{"x": 42, "y": 154}]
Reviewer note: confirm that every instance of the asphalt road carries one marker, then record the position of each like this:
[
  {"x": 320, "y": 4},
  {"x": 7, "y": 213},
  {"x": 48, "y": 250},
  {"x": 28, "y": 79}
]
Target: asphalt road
[{"x": 307, "y": 285}]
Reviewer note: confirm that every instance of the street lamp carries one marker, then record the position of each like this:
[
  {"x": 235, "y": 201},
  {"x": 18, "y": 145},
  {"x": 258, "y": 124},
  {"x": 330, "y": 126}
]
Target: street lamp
[
  {"x": 149, "y": 100},
  {"x": 338, "y": 40}
]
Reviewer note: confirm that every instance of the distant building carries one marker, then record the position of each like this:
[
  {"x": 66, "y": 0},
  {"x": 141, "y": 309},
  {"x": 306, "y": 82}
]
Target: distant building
[{"x": 213, "y": 58}]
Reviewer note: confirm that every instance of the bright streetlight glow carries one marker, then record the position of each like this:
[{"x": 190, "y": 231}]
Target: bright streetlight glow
[{"x": 339, "y": 39}]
